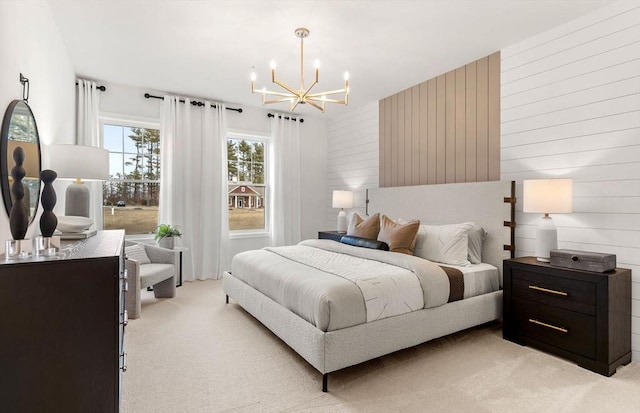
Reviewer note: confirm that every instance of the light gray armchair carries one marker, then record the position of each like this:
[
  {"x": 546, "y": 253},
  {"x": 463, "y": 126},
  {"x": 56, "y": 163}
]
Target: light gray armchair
[{"x": 149, "y": 266}]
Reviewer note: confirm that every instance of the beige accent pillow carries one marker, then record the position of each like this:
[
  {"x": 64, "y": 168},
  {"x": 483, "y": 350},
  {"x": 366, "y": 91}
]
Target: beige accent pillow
[
  {"x": 365, "y": 228},
  {"x": 401, "y": 237}
]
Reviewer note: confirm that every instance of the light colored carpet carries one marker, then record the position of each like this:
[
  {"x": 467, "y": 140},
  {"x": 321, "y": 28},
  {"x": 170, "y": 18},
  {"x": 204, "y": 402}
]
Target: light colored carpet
[{"x": 193, "y": 353}]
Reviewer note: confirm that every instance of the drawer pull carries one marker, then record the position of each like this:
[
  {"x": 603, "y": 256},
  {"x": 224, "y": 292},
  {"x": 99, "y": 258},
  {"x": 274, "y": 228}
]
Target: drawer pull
[
  {"x": 540, "y": 323},
  {"x": 125, "y": 319},
  {"x": 546, "y": 290}
]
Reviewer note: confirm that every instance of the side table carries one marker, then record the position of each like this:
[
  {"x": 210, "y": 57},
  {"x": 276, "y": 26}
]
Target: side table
[{"x": 334, "y": 235}]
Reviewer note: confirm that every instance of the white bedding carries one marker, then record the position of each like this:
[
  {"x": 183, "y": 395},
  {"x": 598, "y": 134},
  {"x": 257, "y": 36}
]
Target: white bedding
[
  {"x": 479, "y": 279},
  {"x": 387, "y": 290},
  {"x": 323, "y": 299}
]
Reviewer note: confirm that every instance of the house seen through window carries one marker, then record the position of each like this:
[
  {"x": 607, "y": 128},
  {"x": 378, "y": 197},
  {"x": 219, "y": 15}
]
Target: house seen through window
[
  {"x": 246, "y": 169},
  {"x": 132, "y": 193}
]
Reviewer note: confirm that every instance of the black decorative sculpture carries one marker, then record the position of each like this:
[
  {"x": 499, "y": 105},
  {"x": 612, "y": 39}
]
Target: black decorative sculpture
[
  {"x": 19, "y": 216},
  {"x": 48, "y": 220}
]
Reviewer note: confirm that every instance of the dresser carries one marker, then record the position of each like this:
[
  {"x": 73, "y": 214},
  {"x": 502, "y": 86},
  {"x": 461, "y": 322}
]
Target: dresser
[
  {"x": 62, "y": 325},
  {"x": 580, "y": 315}
]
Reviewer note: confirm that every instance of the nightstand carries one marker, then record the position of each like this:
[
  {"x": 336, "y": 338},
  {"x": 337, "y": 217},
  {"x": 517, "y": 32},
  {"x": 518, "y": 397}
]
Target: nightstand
[
  {"x": 334, "y": 235},
  {"x": 580, "y": 315}
]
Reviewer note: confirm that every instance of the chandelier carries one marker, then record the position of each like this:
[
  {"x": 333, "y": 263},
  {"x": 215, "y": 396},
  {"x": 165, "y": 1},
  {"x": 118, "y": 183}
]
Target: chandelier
[{"x": 302, "y": 95}]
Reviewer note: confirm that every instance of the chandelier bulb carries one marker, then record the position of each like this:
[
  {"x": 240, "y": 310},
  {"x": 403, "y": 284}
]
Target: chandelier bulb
[
  {"x": 316, "y": 63},
  {"x": 346, "y": 75},
  {"x": 253, "y": 76},
  {"x": 273, "y": 64}
]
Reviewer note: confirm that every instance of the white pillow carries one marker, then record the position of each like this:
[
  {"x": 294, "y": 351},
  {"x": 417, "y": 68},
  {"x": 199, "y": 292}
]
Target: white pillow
[
  {"x": 447, "y": 244},
  {"x": 72, "y": 223},
  {"x": 137, "y": 253},
  {"x": 476, "y": 236}
]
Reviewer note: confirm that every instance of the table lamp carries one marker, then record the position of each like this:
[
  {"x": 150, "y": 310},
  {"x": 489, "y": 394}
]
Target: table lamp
[
  {"x": 88, "y": 163},
  {"x": 342, "y": 199},
  {"x": 547, "y": 196}
]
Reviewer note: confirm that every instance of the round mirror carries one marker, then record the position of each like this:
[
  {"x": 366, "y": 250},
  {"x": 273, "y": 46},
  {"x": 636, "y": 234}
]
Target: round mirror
[{"x": 19, "y": 130}]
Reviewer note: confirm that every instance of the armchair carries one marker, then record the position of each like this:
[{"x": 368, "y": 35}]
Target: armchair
[{"x": 149, "y": 265}]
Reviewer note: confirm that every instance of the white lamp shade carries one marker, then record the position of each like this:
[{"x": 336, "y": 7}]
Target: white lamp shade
[
  {"x": 342, "y": 199},
  {"x": 88, "y": 163},
  {"x": 548, "y": 196}
]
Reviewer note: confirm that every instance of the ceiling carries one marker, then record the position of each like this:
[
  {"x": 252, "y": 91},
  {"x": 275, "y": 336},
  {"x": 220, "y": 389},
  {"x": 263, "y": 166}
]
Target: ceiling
[{"x": 208, "y": 49}]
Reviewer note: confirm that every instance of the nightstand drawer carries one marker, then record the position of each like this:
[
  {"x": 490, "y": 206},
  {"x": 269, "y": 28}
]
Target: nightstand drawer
[
  {"x": 555, "y": 291},
  {"x": 566, "y": 330}
]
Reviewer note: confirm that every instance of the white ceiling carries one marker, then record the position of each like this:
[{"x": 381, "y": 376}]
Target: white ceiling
[{"x": 207, "y": 49}]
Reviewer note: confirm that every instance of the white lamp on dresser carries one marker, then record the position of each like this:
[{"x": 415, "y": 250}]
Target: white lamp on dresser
[
  {"x": 342, "y": 199},
  {"x": 547, "y": 196}
]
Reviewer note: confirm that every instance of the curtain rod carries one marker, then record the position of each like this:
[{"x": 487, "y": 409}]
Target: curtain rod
[
  {"x": 271, "y": 115},
  {"x": 193, "y": 102},
  {"x": 100, "y": 88}
]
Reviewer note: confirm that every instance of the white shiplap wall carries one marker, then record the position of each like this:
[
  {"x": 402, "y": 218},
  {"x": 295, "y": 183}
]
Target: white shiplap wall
[
  {"x": 353, "y": 157},
  {"x": 570, "y": 107}
]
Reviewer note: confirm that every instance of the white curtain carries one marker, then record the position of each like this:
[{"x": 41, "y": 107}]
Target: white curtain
[
  {"x": 193, "y": 184},
  {"x": 285, "y": 182},
  {"x": 88, "y": 134}
]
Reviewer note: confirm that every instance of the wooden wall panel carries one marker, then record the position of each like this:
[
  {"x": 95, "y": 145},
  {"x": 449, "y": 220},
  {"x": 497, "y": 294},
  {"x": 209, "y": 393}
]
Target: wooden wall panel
[
  {"x": 470, "y": 123},
  {"x": 444, "y": 130},
  {"x": 482, "y": 120},
  {"x": 415, "y": 135},
  {"x": 432, "y": 133}
]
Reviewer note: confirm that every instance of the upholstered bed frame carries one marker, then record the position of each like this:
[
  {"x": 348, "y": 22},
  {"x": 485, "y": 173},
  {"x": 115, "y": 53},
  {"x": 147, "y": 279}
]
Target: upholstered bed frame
[{"x": 489, "y": 204}]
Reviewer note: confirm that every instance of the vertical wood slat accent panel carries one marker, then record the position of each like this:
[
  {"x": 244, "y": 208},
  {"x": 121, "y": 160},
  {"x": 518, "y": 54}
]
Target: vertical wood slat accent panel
[
  {"x": 461, "y": 123},
  {"x": 494, "y": 117},
  {"x": 401, "y": 141},
  {"x": 424, "y": 131},
  {"x": 482, "y": 120},
  {"x": 382, "y": 176},
  {"x": 408, "y": 140},
  {"x": 444, "y": 130},
  {"x": 394, "y": 140},
  {"x": 470, "y": 123},
  {"x": 415, "y": 135},
  {"x": 441, "y": 129},
  {"x": 450, "y": 127},
  {"x": 432, "y": 133}
]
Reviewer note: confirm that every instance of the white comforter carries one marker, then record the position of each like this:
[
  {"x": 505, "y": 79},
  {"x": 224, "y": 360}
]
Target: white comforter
[{"x": 334, "y": 285}]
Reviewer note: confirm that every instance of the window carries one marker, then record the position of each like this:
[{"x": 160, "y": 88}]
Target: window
[
  {"x": 246, "y": 172},
  {"x": 132, "y": 193}
]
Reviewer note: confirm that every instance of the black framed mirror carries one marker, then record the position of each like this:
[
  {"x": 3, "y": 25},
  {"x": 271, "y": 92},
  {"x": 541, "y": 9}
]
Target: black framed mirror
[{"x": 19, "y": 129}]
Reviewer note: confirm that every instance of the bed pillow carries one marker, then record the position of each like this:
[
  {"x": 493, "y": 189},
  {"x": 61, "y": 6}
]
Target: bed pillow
[
  {"x": 401, "y": 237},
  {"x": 476, "y": 236},
  {"x": 447, "y": 244},
  {"x": 365, "y": 228},
  {"x": 137, "y": 253},
  {"x": 364, "y": 242}
]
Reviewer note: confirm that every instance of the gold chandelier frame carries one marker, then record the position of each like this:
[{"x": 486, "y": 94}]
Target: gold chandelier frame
[{"x": 302, "y": 95}]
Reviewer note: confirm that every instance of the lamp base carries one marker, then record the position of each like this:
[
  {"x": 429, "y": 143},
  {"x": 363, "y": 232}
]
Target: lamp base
[
  {"x": 342, "y": 221},
  {"x": 546, "y": 239},
  {"x": 76, "y": 200}
]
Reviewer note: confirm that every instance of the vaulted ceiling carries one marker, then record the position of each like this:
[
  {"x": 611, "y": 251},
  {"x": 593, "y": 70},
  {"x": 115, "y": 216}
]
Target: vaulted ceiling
[{"x": 209, "y": 48}]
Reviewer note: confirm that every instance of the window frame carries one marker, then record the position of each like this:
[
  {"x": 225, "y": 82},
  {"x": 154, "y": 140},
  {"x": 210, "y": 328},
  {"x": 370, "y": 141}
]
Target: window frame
[
  {"x": 266, "y": 140},
  {"x": 117, "y": 119}
]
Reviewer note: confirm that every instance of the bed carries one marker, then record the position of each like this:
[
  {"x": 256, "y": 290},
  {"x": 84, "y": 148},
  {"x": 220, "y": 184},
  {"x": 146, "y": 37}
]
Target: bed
[{"x": 342, "y": 339}]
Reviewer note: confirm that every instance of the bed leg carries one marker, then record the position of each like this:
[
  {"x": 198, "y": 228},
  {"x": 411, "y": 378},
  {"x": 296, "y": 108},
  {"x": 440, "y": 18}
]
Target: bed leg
[
  {"x": 227, "y": 299},
  {"x": 325, "y": 378}
]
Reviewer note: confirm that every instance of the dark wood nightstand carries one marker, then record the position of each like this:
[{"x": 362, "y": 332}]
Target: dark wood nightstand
[
  {"x": 580, "y": 315},
  {"x": 334, "y": 235}
]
